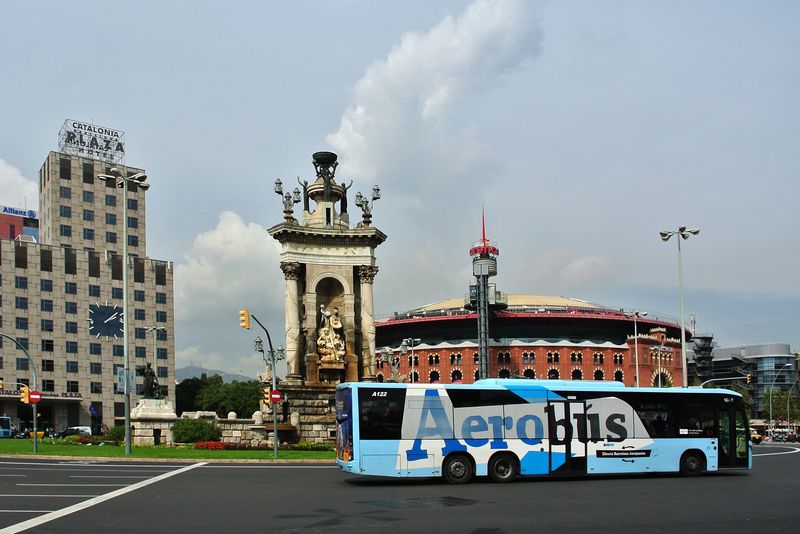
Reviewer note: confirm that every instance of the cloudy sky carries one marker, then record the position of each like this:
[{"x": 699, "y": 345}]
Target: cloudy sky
[{"x": 584, "y": 128}]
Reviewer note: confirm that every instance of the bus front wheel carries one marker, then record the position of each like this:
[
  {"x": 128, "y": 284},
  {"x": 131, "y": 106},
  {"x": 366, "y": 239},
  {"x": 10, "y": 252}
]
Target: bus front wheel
[
  {"x": 457, "y": 469},
  {"x": 692, "y": 463},
  {"x": 503, "y": 468}
]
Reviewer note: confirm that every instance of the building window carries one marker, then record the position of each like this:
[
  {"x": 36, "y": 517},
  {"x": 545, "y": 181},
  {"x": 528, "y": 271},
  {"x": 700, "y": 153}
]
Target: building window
[
  {"x": 111, "y": 201},
  {"x": 88, "y": 234},
  {"x": 111, "y": 237},
  {"x": 618, "y": 376},
  {"x": 133, "y": 204},
  {"x": 139, "y": 333},
  {"x": 118, "y": 350},
  {"x": 21, "y": 303},
  {"x": 138, "y": 314},
  {"x": 161, "y": 298},
  {"x": 70, "y": 261},
  {"x": 65, "y": 230},
  {"x": 161, "y": 317},
  {"x": 64, "y": 192},
  {"x": 65, "y": 211},
  {"x": 141, "y": 352},
  {"x": 456, "y": 376},
  {"x": 161, "y": 274},
  {"x": 577, "y": 374},
  {"x": 598, "y": 357},
  {"x": 161, "y": 354},
  {"x": 48, "y": 366},
  {"x": 47, "y": 345},
  {"x": 598, "y": 374},
  {"x": 46, "y": 285},
  {"x": 72, "y": 366},
  {"x": 70, "y": 288},
  {"x": 47, "y": 325},
  {"x": 88, "y": 196},
  {"x": 95, "y": 368},
  {"x": 71, "y": 327},
  {"x": 71, "y": 307},
  {"x": 116, "y": 292},
  {"x": 133, "y": 241},
  {"x": 88, "y": 215},
  {"x": 552, "y": 374},
  {"x": 64, "y": 171},
  {"x": 88, "y": 172},
  {"x": 48, "y": 385},
  {"x": 23, "y": 342},
  {"x": 22, "y": 364},
  {"x": 138, "y": 295},
  {"x": 72, "y": 347},
  {"x": 21, "y": 323},
  {"x": 94, "y": 291},
  {"x": 529, "y": 373},
  {"x": 111, "y": 219},
  {"x": 47, "y": 305},
  {"x": 133, "y": 222},
  {"x": 72, "y": 386},
  {"x": 162, "y": 372},
  {"x": 95, "y": 349},
  {"x": 21, "y": 282}
]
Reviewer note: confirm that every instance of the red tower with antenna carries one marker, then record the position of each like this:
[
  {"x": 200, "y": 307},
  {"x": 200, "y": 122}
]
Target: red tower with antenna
[{"x": 484, "y": 264}]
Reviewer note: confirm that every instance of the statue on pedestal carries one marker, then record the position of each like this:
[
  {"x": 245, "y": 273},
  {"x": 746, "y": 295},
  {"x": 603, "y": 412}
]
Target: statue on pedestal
[
  {"x": 330, "y": 335},
  {"x": 151, "y": 389}
]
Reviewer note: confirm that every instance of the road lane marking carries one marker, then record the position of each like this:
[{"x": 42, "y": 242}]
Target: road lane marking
[
  {"x": 43, "y": 495},
  {"x": 25, "y": 511},
  {"x": 36, "y": 521},
  {"x": 13, "y": 475},
  {"x": 96, "y": 464},
  {"x": 271, "y": 466},
  {"x": 81, "y": 470},
  {"x": 791, "y": 450},
  {"x": 75, "y": 485},
  {"x": 104, "y": 476}
]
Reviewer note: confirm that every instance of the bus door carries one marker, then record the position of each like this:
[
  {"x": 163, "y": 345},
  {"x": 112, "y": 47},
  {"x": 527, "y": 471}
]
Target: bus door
[
  {"x": 566, "y": 424},
  {"x": 733, "y": 438}
]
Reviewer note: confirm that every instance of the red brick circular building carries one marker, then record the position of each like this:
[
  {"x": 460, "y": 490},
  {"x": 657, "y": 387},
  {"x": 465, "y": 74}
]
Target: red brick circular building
[{"x": 534, "y": 336}]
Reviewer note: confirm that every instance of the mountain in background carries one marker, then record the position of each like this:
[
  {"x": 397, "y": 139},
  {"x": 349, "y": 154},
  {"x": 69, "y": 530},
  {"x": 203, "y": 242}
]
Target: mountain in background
[{"x": 194, "y": 371}]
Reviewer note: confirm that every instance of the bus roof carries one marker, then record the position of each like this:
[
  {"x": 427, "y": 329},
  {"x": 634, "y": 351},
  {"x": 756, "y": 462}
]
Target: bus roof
[{"x": 561, "y": 385}]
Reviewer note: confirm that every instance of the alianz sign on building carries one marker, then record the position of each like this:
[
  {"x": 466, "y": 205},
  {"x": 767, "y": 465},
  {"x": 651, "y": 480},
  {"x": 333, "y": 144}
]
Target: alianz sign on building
[{"x": 82, "y": 139}]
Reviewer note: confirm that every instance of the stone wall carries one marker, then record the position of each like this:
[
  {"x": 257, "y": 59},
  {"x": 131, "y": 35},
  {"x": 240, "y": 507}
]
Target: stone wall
[
  {"x": 317, "y": 411},
  {"x": 255, "y": 432}
]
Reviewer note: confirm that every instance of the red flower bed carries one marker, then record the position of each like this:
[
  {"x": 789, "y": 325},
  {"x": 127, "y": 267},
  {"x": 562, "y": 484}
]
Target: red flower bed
[
  {"x": 84, "y": 440},
  {"x": 210, "y": 445}
]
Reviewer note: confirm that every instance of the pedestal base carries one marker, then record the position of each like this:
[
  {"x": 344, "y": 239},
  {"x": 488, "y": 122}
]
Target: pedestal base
[{"x": 151, "y": 422}]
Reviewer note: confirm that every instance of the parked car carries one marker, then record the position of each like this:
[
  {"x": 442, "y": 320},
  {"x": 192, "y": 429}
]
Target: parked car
[
  {"x": 756, "y": 438},
  {"x": 75, "y": 431}
]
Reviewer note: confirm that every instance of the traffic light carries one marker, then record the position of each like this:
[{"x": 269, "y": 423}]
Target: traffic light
[
  {"x": 749, "y": 378},
  {"x": 25, "y": 394},
  {"x": 244, "y": 319}
]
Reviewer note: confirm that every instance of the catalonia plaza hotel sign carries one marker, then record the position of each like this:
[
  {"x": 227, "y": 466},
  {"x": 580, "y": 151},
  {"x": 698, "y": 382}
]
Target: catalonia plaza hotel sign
[{"x": 82, "y": 139}]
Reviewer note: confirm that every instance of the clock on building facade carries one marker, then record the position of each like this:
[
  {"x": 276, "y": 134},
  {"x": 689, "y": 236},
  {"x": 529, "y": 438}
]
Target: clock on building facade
[{"x": 105, "y": 320}]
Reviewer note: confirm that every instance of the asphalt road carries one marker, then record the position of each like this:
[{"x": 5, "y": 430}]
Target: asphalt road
[{"x": 69, "y": 496}]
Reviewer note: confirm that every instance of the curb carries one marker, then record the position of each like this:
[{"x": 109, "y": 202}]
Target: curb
[{"x": 105, "y": 459}]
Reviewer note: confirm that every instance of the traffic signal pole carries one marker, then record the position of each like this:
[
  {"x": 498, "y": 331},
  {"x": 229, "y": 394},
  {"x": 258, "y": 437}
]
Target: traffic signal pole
[
  {"x": 35, "y": 405},
  {"x": 274, "y": 372}
]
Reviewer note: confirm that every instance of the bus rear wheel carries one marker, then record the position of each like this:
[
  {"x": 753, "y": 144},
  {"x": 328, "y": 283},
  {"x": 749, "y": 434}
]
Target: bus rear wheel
[
  {"x": 692, "y": 463},
  {"x": 503, "y": 468},
  {"x": 457, "y": 469}
]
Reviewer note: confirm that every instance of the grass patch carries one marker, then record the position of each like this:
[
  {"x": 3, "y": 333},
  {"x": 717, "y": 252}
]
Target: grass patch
[{"x": 49, "y": 447}]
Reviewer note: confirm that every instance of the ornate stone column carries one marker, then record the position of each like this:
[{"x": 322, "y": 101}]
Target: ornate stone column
[
  {"x": 292, "y": 272},
  {"x": 367, "y": 274}
]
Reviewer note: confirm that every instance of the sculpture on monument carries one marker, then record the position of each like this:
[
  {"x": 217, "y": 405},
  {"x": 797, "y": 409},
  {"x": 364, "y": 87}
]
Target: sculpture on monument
[
  {"x": 151, "y": 389},
  {"x": 330, "y": 336}
]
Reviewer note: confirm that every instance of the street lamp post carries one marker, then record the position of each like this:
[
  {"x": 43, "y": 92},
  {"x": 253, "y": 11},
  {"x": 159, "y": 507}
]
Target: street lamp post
[
  {"x": 788, "y": 398},
  {"x": 636, "y": 315},
  {"x": 123, "y": 182},
  {"x": 404, "y": 346},
  {"x": 273, "y": 356},
  {"x": 683, "y": 233},
  {"x": 771, "y": 423},
  {"x": 34, "y": 405}
]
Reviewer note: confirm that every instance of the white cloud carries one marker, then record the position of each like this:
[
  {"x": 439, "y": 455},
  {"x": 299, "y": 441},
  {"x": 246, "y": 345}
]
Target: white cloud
[
  {"x": 403, "y": 102},
  {"x": 15, "y": 189}
]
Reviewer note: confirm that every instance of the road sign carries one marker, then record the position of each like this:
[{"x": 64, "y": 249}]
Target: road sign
[
  {"x": 34, "y": 396},
  {"x": 275, "y": 396}
]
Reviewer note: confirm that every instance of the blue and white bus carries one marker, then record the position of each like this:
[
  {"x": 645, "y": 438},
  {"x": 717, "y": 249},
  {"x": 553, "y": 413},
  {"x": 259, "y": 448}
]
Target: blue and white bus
[{"x": 506, "y": 427}]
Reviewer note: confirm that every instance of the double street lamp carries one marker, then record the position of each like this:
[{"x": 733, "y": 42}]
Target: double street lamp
[
  {"x": 636, "y": 315},
  {"x": 771, "y": 422},
  {"x": 683, "y": 233},
  {"x": 407, "y": 343},
  {"x": 125, "y": 182}
]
